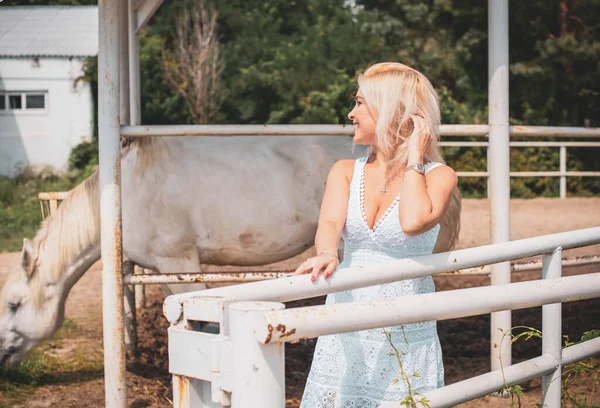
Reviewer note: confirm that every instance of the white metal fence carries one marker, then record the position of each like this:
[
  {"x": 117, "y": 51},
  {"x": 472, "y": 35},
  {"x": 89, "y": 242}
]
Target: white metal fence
[
  {"x": 226, "y": 344},
  {"x": 120, "y": 23}
]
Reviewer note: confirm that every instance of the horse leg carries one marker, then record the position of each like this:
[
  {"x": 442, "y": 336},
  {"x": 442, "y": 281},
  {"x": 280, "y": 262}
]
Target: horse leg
[
  {"x": 140, "y": 290},
  {"x": 129, "y": 300}
]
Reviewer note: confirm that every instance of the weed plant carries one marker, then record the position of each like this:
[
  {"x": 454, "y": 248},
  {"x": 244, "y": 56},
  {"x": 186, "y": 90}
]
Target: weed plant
[
  {"x": 571, "y": 374},
  {"x": 412, "y": 399}
]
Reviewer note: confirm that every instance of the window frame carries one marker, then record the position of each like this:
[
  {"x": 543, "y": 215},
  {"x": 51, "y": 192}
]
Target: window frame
[{"x": 5, "y": 93}]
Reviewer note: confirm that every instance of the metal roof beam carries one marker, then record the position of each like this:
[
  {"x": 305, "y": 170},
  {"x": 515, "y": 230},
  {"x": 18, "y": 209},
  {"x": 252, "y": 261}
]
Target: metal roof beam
[{"x": 145, "y": 9}]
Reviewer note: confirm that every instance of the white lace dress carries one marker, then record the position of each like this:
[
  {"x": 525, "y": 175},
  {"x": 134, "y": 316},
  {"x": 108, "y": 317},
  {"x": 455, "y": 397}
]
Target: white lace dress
[{"x": 356, "y": 370}]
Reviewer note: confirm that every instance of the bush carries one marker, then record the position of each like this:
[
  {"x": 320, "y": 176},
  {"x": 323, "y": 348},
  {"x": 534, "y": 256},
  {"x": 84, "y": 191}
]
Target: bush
[{"x": 83, "y": 155}]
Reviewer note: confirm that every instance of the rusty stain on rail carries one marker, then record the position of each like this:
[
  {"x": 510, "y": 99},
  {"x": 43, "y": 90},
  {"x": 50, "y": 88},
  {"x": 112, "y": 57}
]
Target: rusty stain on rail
[{"x": 281, "y": 328}]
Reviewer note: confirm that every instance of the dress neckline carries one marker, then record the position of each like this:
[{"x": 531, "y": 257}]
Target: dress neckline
[{"x": 362, "y": 203}]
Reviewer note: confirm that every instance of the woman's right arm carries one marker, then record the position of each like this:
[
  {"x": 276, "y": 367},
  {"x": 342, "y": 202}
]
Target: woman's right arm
[{"x": 331, "y": 221}]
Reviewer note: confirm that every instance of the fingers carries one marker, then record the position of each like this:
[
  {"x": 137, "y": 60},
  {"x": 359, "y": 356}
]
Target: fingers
[
  {"x": 303, "y": 268},
  {"x": 316, "y": 270},
  {"x": 329, "y": 270},
  {"x": 419, "y": 123},
  {"x": 314, "y": 266}
]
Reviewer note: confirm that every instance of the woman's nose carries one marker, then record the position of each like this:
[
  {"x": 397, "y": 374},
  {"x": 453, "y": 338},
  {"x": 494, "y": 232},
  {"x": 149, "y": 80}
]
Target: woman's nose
[{"x": 351, "y": 115}]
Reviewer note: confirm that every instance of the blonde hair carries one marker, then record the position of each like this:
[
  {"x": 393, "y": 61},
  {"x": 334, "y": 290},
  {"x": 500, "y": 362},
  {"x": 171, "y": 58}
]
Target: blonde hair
[{"x": 394, "y": 92}]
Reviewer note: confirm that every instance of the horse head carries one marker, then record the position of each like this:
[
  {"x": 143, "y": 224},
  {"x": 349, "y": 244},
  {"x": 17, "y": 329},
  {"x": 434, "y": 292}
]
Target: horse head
[{"x": 31, "y": 310}]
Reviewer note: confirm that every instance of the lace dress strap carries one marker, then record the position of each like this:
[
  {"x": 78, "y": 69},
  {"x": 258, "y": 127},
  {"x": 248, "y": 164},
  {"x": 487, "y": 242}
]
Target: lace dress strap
[
  {"x": 358, "y": 166},
  {"x": 432, "y": 165}
]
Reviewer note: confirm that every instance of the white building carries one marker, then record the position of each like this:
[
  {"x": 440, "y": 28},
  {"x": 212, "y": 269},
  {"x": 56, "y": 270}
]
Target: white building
[{"x": 44, "y": 110}]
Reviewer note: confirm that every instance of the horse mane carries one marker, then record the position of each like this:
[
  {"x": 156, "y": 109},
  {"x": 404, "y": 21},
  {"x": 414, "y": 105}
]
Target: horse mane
[
  {"x": 74, "y": 226},
  {"x": 151, "y": 151}
]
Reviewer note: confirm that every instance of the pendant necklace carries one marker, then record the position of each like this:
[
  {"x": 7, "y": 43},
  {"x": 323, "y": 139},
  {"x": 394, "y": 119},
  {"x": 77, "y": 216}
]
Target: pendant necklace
[{"x": 384, "y": 189}]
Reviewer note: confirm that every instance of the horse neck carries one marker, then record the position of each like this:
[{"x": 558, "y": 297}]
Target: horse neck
[{"x": 69, "y": 241}]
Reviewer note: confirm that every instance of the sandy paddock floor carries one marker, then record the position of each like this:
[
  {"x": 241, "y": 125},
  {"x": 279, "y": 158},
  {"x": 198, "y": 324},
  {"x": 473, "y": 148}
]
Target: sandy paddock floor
[{"x": 465, "y": 342}]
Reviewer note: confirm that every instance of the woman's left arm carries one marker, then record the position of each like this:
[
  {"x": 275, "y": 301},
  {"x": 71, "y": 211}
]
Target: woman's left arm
[{"x": 424, "y": 198}]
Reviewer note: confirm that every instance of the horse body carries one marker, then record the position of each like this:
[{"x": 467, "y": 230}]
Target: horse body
[
  {"x": 186, "y": 201},
  {"x": 237, "y": 201}
]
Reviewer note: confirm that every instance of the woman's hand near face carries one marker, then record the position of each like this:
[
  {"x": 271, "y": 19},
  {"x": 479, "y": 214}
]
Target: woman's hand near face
[{"x": 418, "y": 140}]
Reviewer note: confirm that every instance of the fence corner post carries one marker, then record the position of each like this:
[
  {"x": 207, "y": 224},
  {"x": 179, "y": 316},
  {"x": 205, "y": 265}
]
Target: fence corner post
[
  {"x": 552, "y": 332},
  {"x": 259, "y": 379}
]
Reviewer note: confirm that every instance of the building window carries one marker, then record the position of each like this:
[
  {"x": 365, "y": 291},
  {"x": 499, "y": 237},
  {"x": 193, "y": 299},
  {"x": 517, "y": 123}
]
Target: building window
[
  {"x": 14, "y": 101},
  {"x": 35, "y": 101},
  {"x": 23, "y": 101}
]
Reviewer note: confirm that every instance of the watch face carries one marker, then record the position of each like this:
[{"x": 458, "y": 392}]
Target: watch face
[{"x": 420, "y": 167}]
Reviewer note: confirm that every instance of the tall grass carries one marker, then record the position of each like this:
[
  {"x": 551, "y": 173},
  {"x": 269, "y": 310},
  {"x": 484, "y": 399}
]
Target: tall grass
[
  {"x": 43, "y": 366},
  {"x": 20, "y": 214}
]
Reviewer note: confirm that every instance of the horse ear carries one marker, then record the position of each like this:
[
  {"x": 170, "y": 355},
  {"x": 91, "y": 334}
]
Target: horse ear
[{"x": 27, "y": 257}]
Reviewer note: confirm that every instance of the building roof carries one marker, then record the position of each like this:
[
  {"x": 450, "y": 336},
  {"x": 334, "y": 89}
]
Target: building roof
[{"x": 48, "y": 31}]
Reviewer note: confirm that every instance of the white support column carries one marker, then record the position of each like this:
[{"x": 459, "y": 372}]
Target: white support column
[
  {"x": 499, "y": 163},
  {"x": 552, "y": 332},
  {"x": 134, "y": 67},
  {"x": 128, "y": 291},
  {"x": 110, "y": 204},
  {"x": 563, "y": 171},
  {"x": 192, "y": 393},
  {"x": 124, "y": 64},
  {"x": 259, "y": 378}
]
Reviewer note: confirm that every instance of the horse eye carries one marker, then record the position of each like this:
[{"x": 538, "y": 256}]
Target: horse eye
[{"x": 12, "y": 306}]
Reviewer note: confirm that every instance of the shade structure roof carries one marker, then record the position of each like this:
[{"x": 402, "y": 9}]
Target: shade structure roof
[{"x": 48, "y": 31}]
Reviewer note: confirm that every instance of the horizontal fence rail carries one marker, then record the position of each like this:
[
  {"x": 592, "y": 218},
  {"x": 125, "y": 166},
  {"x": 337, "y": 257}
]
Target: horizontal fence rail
[
  {"x": 445, "y": 130},
  {"x": 253, "y": 326},
  {"x": 314, "y": 321},
  {"x": 244, "y": 276},
  {"x": 340, "y": 130},
  {"x": 488, "y": 383},
  {"x": 297, "y": 287}
]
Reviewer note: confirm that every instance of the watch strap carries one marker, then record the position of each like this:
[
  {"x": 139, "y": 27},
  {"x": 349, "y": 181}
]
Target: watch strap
[{"x": 418, "y": 167}]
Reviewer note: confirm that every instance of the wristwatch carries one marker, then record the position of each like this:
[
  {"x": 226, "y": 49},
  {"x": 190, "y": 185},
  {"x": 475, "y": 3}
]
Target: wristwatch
[{"x": 418, "y": 167}]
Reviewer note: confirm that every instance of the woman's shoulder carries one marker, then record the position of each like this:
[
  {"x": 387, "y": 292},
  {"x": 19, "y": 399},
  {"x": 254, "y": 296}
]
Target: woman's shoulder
[
  {"x": 345, "y": 167},
  {"x": 444, "y": 173}
]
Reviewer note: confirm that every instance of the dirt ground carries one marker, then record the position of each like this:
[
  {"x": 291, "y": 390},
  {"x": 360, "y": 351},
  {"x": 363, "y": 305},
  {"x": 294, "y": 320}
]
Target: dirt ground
[{"x": 465, "y": 342}]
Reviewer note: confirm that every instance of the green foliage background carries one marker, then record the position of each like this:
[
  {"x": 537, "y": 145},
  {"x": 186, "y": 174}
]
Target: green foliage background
[{"x": 295, "y": 62}]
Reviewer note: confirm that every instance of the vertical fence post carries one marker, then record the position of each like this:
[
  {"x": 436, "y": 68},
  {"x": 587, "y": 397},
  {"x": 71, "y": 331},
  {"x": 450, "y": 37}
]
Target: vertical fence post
[
  {"x": 110, "y": 204},
  {"x": 499, "y": 164},
  {"x": 123, "y": 64},
  {"x": 552, "y": 332},
  {"x": 53, "y": 206},
  {"x": 192, "y": 393},
  {"x": 134, "y": 66},
  {"x": 259, "y": 368},
  {"x": 130, "y": 309},
  {"x": 563, "y": 172}
]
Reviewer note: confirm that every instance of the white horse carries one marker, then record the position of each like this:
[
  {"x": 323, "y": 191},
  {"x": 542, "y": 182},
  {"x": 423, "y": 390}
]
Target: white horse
[{"x": 186, "y": 201}]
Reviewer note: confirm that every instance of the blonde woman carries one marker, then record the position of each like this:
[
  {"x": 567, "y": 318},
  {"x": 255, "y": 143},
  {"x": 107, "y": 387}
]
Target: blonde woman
[{"x": 385, "y": 206}]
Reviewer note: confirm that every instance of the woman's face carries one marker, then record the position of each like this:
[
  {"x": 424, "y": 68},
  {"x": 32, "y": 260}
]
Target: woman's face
[{"x": 364, "y": 125}]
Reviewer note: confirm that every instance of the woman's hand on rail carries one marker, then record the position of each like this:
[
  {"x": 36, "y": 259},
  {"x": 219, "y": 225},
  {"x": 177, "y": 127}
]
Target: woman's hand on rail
[{"x": 324, "y": 262}]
